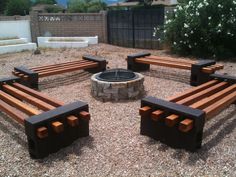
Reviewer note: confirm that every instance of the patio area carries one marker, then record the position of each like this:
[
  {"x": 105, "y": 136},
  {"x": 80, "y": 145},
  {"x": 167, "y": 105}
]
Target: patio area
[{"x": 115, "y": 146}]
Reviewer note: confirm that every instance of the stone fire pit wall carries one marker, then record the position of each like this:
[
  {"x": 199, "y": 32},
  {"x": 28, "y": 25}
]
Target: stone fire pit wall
[{"x": 117, "y": 91}]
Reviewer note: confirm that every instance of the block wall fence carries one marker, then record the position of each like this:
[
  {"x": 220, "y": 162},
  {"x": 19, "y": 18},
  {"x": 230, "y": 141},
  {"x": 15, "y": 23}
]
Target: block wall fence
[{"x": 69, "y": 24}]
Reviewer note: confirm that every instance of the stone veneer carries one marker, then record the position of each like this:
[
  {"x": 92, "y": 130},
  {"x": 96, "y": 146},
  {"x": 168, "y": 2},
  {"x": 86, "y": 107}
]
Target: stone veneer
[{"x": 117, "y": 91}]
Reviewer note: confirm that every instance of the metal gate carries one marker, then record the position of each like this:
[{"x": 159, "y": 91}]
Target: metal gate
[{"x": 134, "y": 28}]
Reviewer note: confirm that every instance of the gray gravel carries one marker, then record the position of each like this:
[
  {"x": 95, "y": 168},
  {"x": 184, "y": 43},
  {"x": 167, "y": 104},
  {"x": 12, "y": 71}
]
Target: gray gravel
[{"x": 115, "y": 147}]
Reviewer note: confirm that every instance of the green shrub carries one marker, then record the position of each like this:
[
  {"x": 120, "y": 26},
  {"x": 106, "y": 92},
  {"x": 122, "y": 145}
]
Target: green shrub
[
  {"x": 17, "y": 7},
  {"x": 3, "y": 4},
  {"x": 86, "y": 6},
  {"x": 203, "y": 28},
  {"x": 54, "y": 9},
  {"x": 45, "y": 2}
]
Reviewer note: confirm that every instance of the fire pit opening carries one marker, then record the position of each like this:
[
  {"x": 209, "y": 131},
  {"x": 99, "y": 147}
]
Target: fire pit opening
[
  {"x": 116, "y": 75},
  {"x": 117, "y": 84}
]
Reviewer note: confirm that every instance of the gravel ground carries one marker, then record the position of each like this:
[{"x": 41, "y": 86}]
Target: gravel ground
[{"x": 115, "y": 147}]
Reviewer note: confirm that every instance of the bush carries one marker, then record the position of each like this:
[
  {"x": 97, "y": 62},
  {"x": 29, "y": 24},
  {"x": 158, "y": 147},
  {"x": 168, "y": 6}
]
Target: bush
[
  {"x": 86, "y": 6},
  {"x": 54, "y": 9},
  {"x": 17, "y": 7},
  {"x": 3, "y": 4},
  {"x": 203, "y": 28},
  {"x": 45, "y": 2}
]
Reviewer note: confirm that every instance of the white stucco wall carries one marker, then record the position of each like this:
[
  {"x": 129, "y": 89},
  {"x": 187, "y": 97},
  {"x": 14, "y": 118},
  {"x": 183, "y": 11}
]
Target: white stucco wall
[
  {"x": 45, "y": 42},
  {"x": 19, "y": 28}
]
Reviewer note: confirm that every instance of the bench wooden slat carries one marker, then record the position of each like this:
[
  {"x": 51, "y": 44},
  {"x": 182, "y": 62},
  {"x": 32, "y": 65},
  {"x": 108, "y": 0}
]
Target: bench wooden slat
[
  {"x": 208, "y": 70},
  {"x": 144, "y": 111},
  {"x": 59, "y": 71},
  {"x": 212, "y": 99},
  {"x": 218, "y": 106},
  {"x": 18, "y": 104},
  {"x": 57, "y": 127},
  {"x": 56, "y": 65},
  {"x": 72, "y": 120},
  {"x": 26, "y": 97},
  {"x": 157, "y": 114},
  {"x": 38, "y": 95},
  {"x": 172, "y": 64},
  {"x": 186, "y": 125},
  {"x": 203, "y": 103},
  {"x": 192, "y": 91},
  {"x": 205, "y": 93},
  {"x": 170, "y": 59},
  {"x": 163, "y": 63},
  {"x": 13, "y": 112},
  {"x": 63, "y": 65}
]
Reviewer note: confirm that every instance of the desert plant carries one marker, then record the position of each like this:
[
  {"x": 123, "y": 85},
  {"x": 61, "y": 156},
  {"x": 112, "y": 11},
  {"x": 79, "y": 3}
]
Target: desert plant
[{"x": 204, "y": 28}]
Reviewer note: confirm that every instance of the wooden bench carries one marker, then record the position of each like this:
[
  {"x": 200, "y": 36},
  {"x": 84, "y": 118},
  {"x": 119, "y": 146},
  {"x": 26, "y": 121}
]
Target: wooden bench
[
  {"x": 200, "y": 70},
  {"x": 31, "y": 76},
  {"x": 49, "y": 124},
  {"x": 179, "y": 121}
]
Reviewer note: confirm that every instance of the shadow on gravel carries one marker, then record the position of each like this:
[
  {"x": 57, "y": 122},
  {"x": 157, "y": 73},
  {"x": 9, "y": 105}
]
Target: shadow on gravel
[
  {"x": 64, "y": 80},
  {"x": 16, "y": 137},
  {"x": 76, "y": 148},
  {"x": 226, "y": 126},
  {"x": 168, "y": 75}
]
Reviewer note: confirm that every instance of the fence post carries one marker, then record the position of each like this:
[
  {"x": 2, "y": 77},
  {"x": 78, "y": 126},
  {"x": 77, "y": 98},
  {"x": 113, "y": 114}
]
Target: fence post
[
  {"x": 34, "y": 25},
  {"x": 104, "y": 26}
]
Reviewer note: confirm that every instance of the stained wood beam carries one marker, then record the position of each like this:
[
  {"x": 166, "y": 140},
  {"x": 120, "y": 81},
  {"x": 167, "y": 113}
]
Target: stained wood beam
[
  {"x": 204, "y": 103},
  {"x": 38, "y": 95},
  {"x": 171, "y": 64},
  {"x": 56, "y": 65},
  {"x": 171, "y": 59},
  {"x": 13, "y": 112},
  {"x": 59, "y": 71},
  {"x": 62, "y": 66},
  {"x": 218, "y": 106},
  {"x": 18, "y": 104},
  {"x": 204, "y": 93},
  {"x": 28, "y": 98},
  {"x": 163, "y": 63},
  {"x": 157, "y": 114}
]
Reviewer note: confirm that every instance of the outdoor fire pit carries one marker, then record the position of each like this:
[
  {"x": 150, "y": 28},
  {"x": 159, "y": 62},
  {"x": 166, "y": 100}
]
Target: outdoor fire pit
[{"x": 117, "y": 85}]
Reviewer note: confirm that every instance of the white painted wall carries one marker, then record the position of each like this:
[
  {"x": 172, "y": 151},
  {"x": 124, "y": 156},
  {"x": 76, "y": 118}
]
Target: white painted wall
[
  {"x": 45, "y": 42},
  {"x": 165, "y": 2},
  {"x": 17, "y": 48},
  {"x": 19, "y": 28}
]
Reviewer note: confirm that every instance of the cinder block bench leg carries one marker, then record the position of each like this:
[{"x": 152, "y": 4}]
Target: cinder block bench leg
[
  {"x": 176, "y": 136},
  {"x": 102, "y": 63},
  {"x": 198, "y": 77},
  {"x": 134, "y": 66},
  {"x": 29, "y": 78},
  {"x": 56, "y": 132}
]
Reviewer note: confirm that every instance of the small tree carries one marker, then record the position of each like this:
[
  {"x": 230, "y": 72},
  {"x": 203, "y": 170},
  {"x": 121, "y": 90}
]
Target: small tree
[
  {"x": 96, "y": 6},
  {"x": 78, "y": 6},
  {"x": 17, "y": 7},
  {"x": 86, "y": 6}
]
